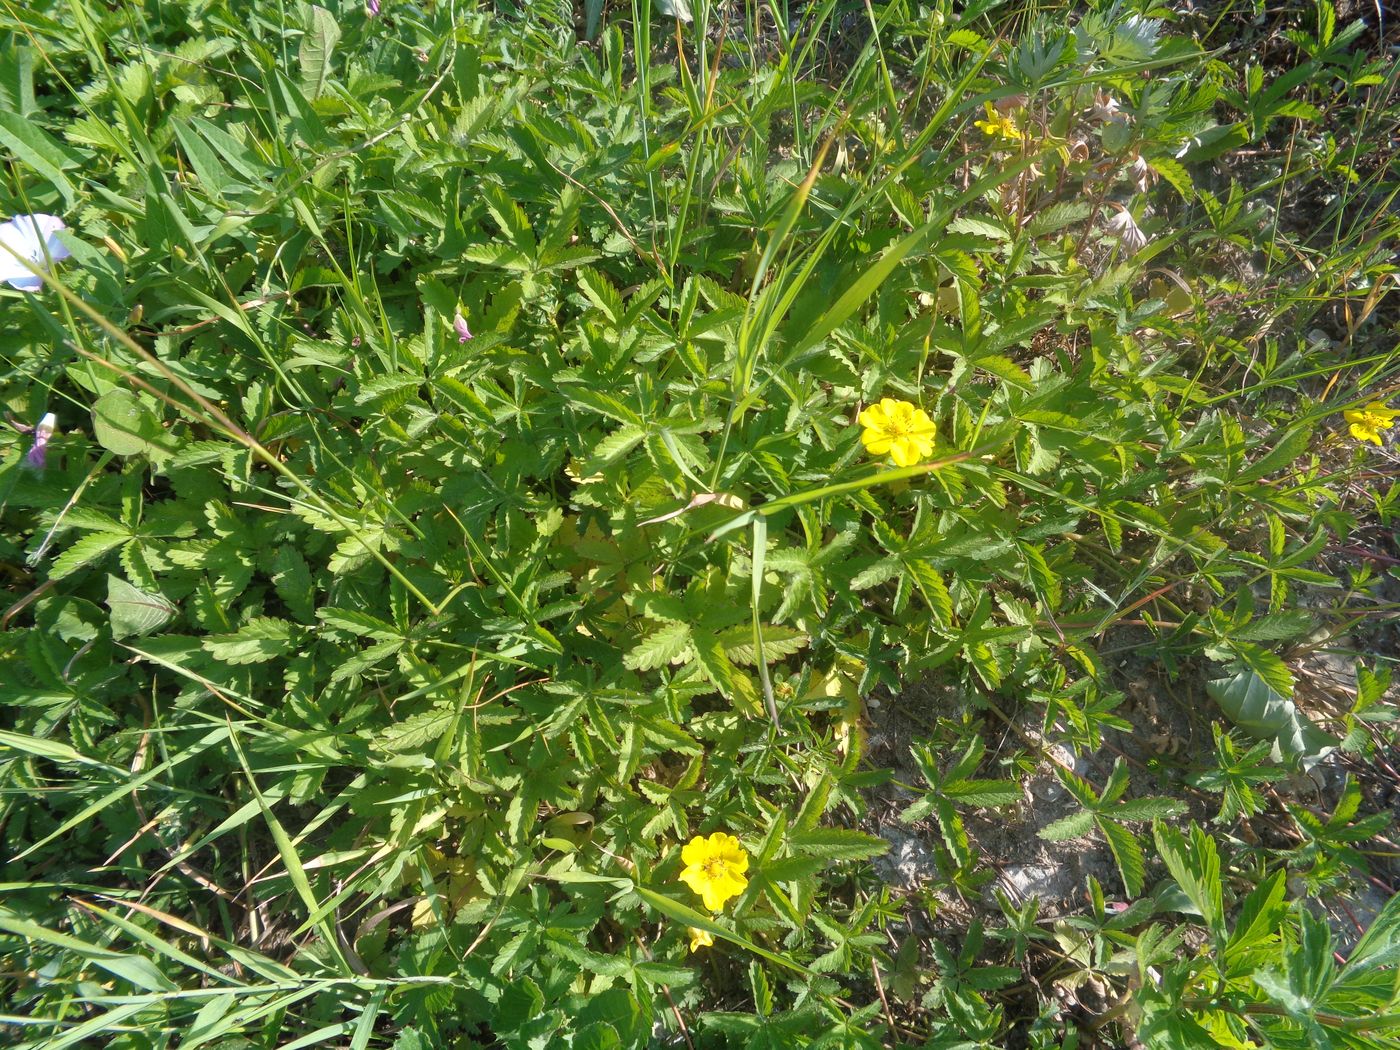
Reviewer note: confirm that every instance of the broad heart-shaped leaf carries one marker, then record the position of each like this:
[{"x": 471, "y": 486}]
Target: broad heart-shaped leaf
[
  {"x": 679, "y": 9},
  {"x": 1253, "y": 705},
  {"x": 134, "y": 611},
  {"x": 122, "y": 424},
  {"x": 322, "y": 34}
]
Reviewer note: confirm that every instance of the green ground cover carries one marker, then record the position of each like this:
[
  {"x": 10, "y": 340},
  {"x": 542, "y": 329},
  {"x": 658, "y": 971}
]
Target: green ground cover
[{"x": 546, "y": 511}]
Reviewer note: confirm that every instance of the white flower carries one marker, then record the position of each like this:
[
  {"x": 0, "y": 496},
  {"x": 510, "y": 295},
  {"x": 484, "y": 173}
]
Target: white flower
[
  {"x": 1141, "y": 174},
  {"x": 1106, "y": 107},
  {"x": 1129, "y": 234},
  {"x": 28, "y": 237}
]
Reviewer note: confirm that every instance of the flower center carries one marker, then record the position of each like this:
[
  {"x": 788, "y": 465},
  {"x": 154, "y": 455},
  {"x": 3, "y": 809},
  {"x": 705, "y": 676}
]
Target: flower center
[
  {"x": 897, "y": 428},
  {"x": 714, "y": 867}
]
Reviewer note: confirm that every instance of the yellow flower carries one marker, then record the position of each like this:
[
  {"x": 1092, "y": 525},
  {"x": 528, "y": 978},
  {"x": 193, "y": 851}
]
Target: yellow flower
[
  {"x": 1367, "y": 423},
  {"x": 714, "y": 868},
  {"x": 999, "y": 125},
  {"x": 899, "y": 428},
  {"x": 700, "y": 939}
]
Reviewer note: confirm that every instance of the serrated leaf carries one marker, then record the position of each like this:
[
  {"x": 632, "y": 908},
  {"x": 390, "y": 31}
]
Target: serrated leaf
[
  {"x": 1127, "y": 852},
  {"x": 416, "y": 731},
  {"x": 613, "y": 447},
  {"x": 935, "y": 592},
  {"x": 1005, "y": 369},
  {"x": 392, "y": 390},
  {"x": 1284, "y": 451},
  {"x": 1046, "y": 583},
  {"x": 881, "y": 572},
  {"x": 292, "y": 577},
  {"x": 85, "y": 551},
  {"x": 837, "y": 844},
  {"x": 1147, "y": 809},
  {"x": 1276, "y": 627},
  {"x": 1058, "y": 216},
  {"x": 1070, "y": 827},
  {"x": 1267, "y": 665},
  {"x": 984, "y": 792},
  {"x": 259, "y": 640},
  {"x": 665, "y": 645},
  {"x": 1194, "y": 863},
  {"x": 979, "y": 228},
  {"x": 778, "y": 642},
  {"x": 135, "y": 612},
  {"x": 357, "y": 623},
  {"x": 1175, "y": 174},
  {"x": 600, "y": 293}
]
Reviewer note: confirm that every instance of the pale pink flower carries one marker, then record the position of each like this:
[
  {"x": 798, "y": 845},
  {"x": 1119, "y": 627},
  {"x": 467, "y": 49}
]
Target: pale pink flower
[
  {"x": 1125, "y": 228},
  {"x": 42, "y": 433}
]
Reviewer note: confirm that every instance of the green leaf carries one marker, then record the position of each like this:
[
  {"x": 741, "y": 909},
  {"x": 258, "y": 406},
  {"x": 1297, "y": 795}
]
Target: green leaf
[
  {"x": 261, "y": 639},
  {"x": 837, "y": 844},
  {"x": 32, "y": 146},
  {"x": 778, "y": 642},
  {"x": 1046, "y": 583},
  {"x": 683, "y": 913},
  {"x": 1175, "y": 174},
  {"x": 134, "y": 611},
  {"x": 317, "y": 43},
  {"x": 1057, "y": 217},
  {"x": 1282, "y": 453},
  {"x": 1070, "y": 827},
  {"x": 667, "y": 644},
  {"x": 600, "y": 293},
  {"x": 1267, "y": 665},
  {"x": 984, "y": 792},
  {"x": 1262, "y": 711},
  {"x": 1195, "y": 865},
  {"x": 124, "y": 425},
  {"x": 85, "y": 551},
  {"x": 882, "y": 571},
  {"x": 1147, "y": 809},
  {"x": 1127, "y": 851}
]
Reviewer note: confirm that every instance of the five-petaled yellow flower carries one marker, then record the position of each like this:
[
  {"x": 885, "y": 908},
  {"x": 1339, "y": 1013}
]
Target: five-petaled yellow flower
[
  {"x": 714, "y": 868},
  {"x": 898, "y": 428},
  {"x": 999, "y": 125},
  {"x": 700, "y": 939},
  {"x": 1367, "y": 423}
]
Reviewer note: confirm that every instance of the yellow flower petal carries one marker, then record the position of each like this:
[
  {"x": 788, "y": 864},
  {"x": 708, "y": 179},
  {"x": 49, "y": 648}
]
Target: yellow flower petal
[
  {"x": 874, "y": 416},
  {"x": 1380, "y": 408},
  {"x": 897, "y": 428},
  {"x": 715, "y": 868},
  {"x": 700, "y": 939}
]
